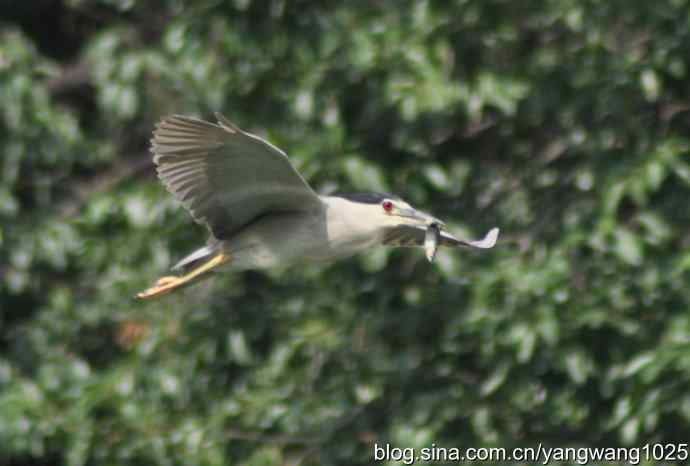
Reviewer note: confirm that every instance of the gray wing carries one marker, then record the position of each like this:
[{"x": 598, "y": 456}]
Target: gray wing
[
  {"x": 226, "y": 177},
  {"x": 411, "y": 236}
]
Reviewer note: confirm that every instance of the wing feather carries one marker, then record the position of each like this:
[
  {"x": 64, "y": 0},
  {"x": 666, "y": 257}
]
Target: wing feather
[{"x": 225, "y": 177}]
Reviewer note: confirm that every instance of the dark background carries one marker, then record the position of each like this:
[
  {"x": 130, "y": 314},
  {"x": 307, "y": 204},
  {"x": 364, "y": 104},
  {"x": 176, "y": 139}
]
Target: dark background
[{"x": 563, "y": 123}]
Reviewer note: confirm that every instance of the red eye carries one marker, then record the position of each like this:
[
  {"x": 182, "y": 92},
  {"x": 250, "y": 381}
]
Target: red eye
[{"x": 387, "y": 206}]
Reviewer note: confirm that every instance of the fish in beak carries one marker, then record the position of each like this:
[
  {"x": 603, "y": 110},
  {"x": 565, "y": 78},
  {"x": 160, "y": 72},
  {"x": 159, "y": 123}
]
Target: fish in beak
[
  {"x": 487, "y": 242},
  {"x": 431, "y": 240},
  {"x": 435, "y": 235}
]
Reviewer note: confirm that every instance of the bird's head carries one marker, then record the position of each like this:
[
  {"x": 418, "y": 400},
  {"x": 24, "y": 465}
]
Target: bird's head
[
  {"x": 381, "y": 211},
  {"x": 395, "y": 212}
]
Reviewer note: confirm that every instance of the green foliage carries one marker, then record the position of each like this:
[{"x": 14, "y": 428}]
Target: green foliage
[{"x": 564, "y": 123}]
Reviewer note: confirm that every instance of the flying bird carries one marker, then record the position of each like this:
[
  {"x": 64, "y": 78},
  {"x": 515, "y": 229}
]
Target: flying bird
[{"x": 260, "y": 211}]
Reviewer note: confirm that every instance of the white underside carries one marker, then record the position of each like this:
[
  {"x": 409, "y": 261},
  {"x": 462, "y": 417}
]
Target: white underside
[{"x": 296, "y": 237}]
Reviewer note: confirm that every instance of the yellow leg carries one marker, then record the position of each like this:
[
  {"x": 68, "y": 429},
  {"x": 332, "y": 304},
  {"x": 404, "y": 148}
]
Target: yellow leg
[{"x": 166, "y": 284}]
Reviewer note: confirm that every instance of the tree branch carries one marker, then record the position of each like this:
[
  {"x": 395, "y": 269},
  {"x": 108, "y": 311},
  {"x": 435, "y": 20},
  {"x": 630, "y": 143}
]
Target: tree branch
[{"x": 72, "y": 77}]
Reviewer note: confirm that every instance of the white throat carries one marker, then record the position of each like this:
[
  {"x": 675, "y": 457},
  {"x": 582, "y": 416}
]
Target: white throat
[{"x": 352, "y": 226}]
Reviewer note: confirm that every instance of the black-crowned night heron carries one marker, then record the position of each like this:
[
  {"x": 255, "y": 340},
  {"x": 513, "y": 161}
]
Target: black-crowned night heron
[{"x": 260, "y": 211}]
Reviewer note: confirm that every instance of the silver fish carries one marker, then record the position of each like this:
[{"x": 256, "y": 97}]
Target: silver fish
[
  {"x": 431, "y": 239},
  {"x": 488, "y": 242}
]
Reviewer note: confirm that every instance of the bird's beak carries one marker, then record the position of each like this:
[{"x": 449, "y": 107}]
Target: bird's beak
[{"x": 421, "y": 218}]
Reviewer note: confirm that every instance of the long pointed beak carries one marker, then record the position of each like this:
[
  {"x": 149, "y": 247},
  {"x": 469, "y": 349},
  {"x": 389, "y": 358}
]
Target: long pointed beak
[{"x": 421, "y": 217}]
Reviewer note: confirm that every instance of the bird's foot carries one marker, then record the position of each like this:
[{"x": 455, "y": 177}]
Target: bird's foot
[
  {"x": 163, "y": 285},
  {"x": 168, "y": 279},
  {"x": 168, "y": 283}
]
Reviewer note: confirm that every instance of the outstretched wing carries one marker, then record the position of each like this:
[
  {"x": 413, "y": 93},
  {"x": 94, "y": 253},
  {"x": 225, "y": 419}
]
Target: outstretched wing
[
  {"x": 226, "y": 177},
  {"x": 411, "y": 236}
]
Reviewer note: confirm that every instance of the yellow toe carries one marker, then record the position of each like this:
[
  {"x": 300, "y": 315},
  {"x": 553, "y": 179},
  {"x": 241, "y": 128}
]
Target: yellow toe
[
  {"x": 170, "y": 282},
  {"x": 166, "y": 280}
]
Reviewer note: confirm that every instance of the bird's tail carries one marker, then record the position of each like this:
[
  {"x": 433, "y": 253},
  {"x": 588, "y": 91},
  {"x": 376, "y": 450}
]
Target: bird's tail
[{"x": 165, "y": 285}]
